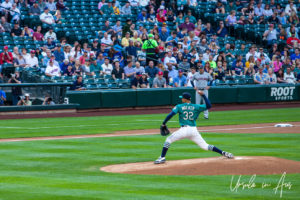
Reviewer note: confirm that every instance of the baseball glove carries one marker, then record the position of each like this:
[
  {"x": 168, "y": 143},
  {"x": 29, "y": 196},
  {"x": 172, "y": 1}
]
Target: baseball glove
[{"x": 164, "y": 131}]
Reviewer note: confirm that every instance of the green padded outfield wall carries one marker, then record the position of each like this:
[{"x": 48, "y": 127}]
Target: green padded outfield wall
[
  {"x": 118, "y": 98},
  {"x": 86, "y": 99},
  {"x": 169, "y": 96}
]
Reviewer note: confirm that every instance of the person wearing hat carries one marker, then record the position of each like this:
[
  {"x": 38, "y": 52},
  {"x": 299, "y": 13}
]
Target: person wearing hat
[
  {"x": 32, "y": 60},
  {"x": 137, "y": 81},
  {"x": 150, "y": 46},
  {"x": 293, "y": 41},
  {"x": 143, "y": 16},
  {"x": 6, "y": 56},
  {"x": 59, "y": 54},
  {"x": 50, "y": 34},
  {"x": 260, "y": 77},
  {"x": 17, "y": 31},
  {"x": 107, "y": 67},
  {"x": 126, "y": 27},
  {"x": 180, "y": 80},
  {"x": 25, "y": 101},
  {"x": 47, "y": 17},
  {"x": 188, "y": 114},
  {"x": 34, "y": 9},
  {"x": 159, "y": 81},
  {"x": 15, "y": 91},
  {"x": 200, "y": 82}
]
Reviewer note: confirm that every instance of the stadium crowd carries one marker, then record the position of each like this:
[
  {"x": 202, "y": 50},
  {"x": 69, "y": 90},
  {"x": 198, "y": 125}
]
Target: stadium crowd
[{"x": 162, "y": 56}]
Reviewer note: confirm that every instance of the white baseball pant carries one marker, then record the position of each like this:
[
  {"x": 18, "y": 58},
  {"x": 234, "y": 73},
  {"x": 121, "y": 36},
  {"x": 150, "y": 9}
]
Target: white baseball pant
[
  {"x": 200, "y": 100},
  {"x": 187, "y": 132}
]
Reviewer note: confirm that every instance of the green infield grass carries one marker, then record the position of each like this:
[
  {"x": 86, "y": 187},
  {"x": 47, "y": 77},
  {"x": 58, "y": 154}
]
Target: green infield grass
[
  {"x": 109, "y": 124},
  {"x": 69, "y": 169}
]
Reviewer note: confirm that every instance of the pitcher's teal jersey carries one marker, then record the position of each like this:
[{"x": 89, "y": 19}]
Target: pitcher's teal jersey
[{"x": 188, "y": 113}]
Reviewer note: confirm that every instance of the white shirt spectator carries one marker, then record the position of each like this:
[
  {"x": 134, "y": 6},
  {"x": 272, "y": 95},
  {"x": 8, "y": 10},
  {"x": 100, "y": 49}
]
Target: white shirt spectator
[
  {"x": 272, "y": 79},
  {"x": 107, "y": 69},
  {"x": 51, "y": 35},
  {"x": 134, "y": 2},
  {"x": 6, "y": 5},
  {"x": 51, "y": 5},
  {"x": 52, "y": 70},
  {"x": 205, "y": 57},
  {"x": 289, "y": 78},
  {"x": 169, "y": 60},
  {"x": 32, "y": 61},
  {"x": 47, "y": 18},
  {"x": 144, "y": 2},
  {"x": 288, "y": 9},
  {"x": 255, "y": 55},
  {"x": 258, "y": 11},
  {"x": 268, "y": 13},
  {"x": 126, "y": 10},
  {"x": 189, "y": 78}
]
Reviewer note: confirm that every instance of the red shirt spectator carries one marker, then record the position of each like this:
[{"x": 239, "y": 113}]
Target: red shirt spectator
[
  {"x": 160, "y": 16},
  {"x": 187, "y": 25},
  {"x": 6, "y": 57},
  {"x": 291, "y": 40}
]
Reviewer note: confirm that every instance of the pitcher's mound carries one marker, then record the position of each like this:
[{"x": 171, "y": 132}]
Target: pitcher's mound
[{"x": 240, "y": 165}]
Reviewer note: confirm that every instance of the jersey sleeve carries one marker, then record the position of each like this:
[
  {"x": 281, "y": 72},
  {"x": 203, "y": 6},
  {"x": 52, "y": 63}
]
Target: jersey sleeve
[
  {"x": 201, "y": 107},
  {"x": 175, "y": 109}
]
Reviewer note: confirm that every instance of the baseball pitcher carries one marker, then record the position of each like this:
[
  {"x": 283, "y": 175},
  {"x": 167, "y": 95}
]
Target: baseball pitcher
[
  {"x": 188, "y": 114},
  {"x": 200, "y": 82}
]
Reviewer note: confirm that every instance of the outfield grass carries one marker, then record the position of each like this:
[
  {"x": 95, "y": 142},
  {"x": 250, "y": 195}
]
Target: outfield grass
[
  {"x": 109, "y": 124},
  {"x": 69, "y": 169}
]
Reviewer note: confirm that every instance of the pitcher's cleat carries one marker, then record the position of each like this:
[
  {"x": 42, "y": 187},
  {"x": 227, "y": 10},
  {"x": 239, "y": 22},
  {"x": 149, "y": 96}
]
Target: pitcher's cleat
[
  {"x": 160, "y": 160},
  {"x": 227, "y": 154}
]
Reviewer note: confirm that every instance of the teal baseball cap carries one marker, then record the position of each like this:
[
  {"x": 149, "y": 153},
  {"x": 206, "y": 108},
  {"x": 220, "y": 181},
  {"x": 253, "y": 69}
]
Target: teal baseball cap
[
  {"x": 150, "y": 35},
  {"x": 186, "y": 95}
]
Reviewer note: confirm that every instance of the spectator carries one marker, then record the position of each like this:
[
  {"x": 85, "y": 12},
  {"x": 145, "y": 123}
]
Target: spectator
[
  {"x": 187, "y": 25},
  {"x": 52, "y": 70},
  {"x": 238, "y": 69},
  {"x": 295, "y": 55},
  {"x": 151, "y": 70},
  {"x": 260, "y": 77},
  {"x": 95, "y": 67},
  {"x": 50, "y": 34},
  {"x": 134, "y": 3},
  {"x": 125, "y": 40},
  {"x": 60, "y": 5},
  {"x": 143, "y": 17},
  {"x": 78, "y": 70},
  {"x": 159, "y": 81},
  {"x": 25, "y": 101},
  {"x": 48, "y": 101},
  {"x": 116, "y": 8},
  {"x": 270, "y": 35},
  {"x": 192, "y": 19},
  {"x": 160, "y": 16},
  {"x": 6, "y": 56},
  {"x": 230, "y": 6},
  {"x": 78, "y": 84},
  {"x": 129, "y": 70},
  {"x": 41, "y": 4},
  {"x": 172, "y": 73},
  {"x": 6, "y": 6},
  {"x": 64, "y": 66},
  {"x": 290, "y": 8},
  {"x": 209, "y": 30},
  {"x": 126, "y": 9},
  {"x": 170, "y": 61},
  {"x": 180, "y": 80},
  {"x": 107, "y": 67},
  {"x": 163, "y": 33},
  {"x": 5, "y": 25},
  {"x": 84, "y": 57},
  {"x": 47, "y": 17},
  {"x": 32, "y": 60},
  {"x": 59, "y": 54},
  {"x": 220, "y": 8},
  {"x": 139, "y": 68},
  {"x": 293, "y": 42},
  {"x": 222, "y": 31},
  {"x": 258, "y": 10},
  {"x": 267, "y": 11},
  {"x": 107, "y": 28},
  {"x": 117, "y": 28},
  {"x": 185, "y": 64},
  {"x": 15, "y": 13},
  {"x": 250, "y": 71},
  {"x": 38, "y": 36},
  {"x": 137, "y": 81},
  {"x": 271, "y": 78},
  {"x": 17, "y": 31},
  {"x": 280, "y": 76},
  {"x": 231, "y": 19},
  {"x": 2, "y": 97},
  {"x": 117, "y": 72},
  {"x": 34, "y": 9},
  {"x": 86, "y": 68},
  {"x": 51, "y": 5},
  {"x": 106, "y": 41},
  {"x": 289, "y": 77},
  {"x": 219, "y": 74},
  {"x": 100, "y": 4}
]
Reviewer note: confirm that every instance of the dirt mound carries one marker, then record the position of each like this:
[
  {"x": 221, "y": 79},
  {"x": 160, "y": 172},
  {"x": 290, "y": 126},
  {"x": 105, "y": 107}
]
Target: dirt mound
[{"x": 240, "y": 165}]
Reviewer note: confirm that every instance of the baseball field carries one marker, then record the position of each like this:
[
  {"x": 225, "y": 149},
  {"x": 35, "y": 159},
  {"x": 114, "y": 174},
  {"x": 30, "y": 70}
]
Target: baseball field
[{"x": 62, "y": 158}]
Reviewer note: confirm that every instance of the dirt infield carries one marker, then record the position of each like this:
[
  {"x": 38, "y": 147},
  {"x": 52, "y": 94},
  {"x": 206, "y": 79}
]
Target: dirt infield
[
  {"x": 245, "y": 128},
  {"x": 147, "y": 110},
  {"x": 241, "y": 165}
]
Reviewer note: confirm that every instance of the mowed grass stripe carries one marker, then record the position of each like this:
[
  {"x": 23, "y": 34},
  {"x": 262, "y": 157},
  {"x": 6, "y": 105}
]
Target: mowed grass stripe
[
  {"x": 51, "y": 170},
  {"x": 103, "y": 124}
]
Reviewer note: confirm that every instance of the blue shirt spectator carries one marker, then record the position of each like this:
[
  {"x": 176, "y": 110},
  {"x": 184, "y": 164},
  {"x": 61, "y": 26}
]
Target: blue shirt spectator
[
  {"x": 151, "y": 70},
  {"x": 2, "y": 97},
  {"x": 295, "y": 55},
  {"x": 59, "y": 54},
  {"x": 180, "y": 80},
  {"x": 143, "y": 17}
]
